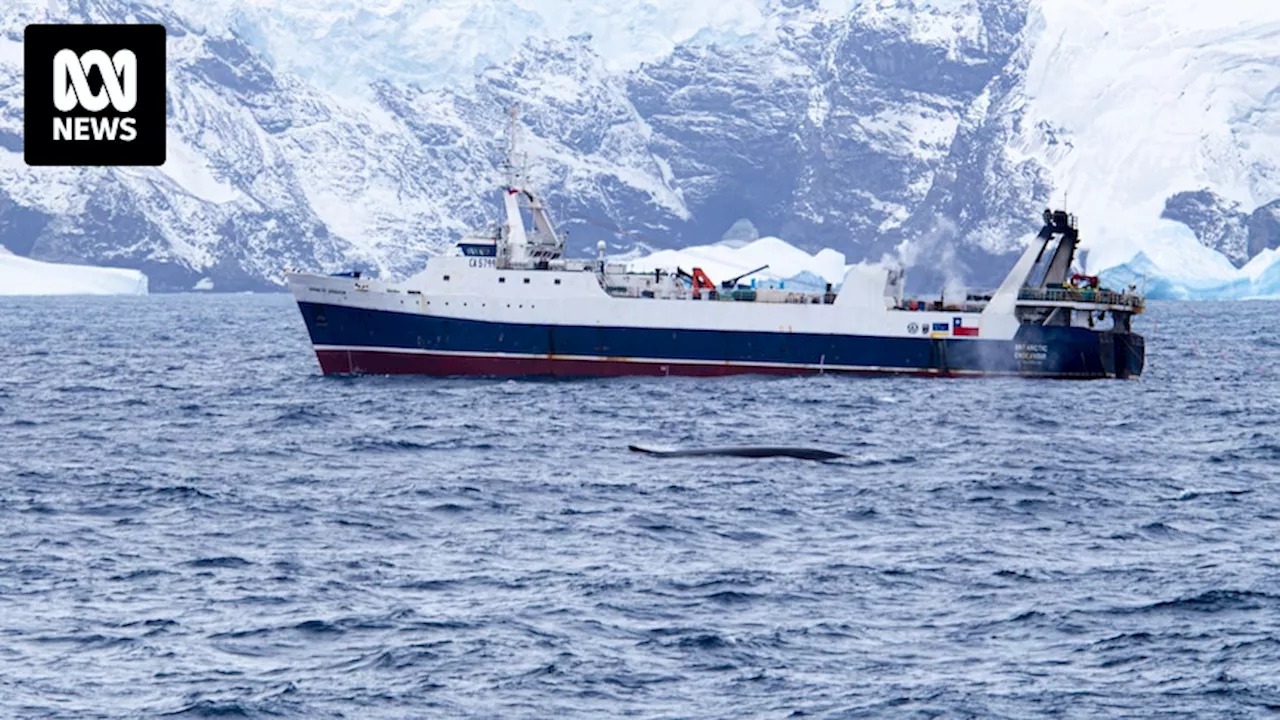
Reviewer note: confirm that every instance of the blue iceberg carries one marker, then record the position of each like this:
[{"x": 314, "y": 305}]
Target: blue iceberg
[
  {"x": 1169, "y": 263},
  {"x": 1260, "y": 278}
]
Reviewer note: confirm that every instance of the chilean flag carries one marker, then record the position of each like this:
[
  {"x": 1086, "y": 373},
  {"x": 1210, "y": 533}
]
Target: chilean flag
[{"x": 959, "y": 330}]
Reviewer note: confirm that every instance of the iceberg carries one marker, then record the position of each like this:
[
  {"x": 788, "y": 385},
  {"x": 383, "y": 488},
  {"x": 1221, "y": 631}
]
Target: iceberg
[
  {"x": 24, "y": 276},
  {"x": 1174, "y": 265},
  {"x": 788, "y": 265}
]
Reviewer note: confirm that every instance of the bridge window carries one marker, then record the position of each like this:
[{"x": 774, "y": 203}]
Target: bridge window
[
  {"x": 480, "y": 250},
  {"x": 557, "y": 281},
  {"x": 526, "y": 281},
  {"x": 502, "y": 279},
  {"x": 446, "y": 278}
]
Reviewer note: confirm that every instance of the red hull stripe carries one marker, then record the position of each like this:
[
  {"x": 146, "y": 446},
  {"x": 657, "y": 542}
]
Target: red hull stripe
[{"x": 338, "y": 361}]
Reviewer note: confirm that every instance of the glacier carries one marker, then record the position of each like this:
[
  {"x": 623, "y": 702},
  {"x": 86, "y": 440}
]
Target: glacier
[
  {"x": 24, "y": 276},
  {"x": 342, "y": 45},
  {"x": 1132, "y": 105}
]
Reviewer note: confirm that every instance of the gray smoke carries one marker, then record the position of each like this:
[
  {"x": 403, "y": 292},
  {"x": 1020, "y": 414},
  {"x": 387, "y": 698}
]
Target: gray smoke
[{"x": 934, "y": 251}]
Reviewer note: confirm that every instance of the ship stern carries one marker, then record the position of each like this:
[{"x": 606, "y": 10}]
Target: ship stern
[
  {"x": 1129, "y": 351},
  {"x": 1080, "y": 353}
]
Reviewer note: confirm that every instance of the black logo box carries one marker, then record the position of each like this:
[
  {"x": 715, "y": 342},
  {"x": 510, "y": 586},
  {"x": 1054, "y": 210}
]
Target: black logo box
[{"x": 41, "y": 43}]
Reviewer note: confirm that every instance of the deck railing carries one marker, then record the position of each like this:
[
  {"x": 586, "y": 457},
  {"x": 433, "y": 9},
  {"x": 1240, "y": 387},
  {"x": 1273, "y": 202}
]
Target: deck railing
[{"x": 1088, "y": 295}]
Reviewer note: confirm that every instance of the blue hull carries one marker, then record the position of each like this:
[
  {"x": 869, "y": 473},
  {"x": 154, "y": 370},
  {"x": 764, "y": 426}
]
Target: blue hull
[{"x": 353, "y": 341}]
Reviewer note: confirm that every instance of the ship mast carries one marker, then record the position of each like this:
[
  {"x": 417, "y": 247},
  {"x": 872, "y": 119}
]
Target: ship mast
[
  {"x": 512, "y": 162},
  {"x": 536, "y": 245},
  {"x": 517, "y": 242}
]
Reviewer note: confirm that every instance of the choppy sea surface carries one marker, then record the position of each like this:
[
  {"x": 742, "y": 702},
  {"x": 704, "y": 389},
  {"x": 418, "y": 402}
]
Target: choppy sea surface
[{"x": 196, "y": 523}]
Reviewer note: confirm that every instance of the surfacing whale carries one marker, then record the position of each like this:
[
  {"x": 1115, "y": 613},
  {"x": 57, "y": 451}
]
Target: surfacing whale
[{"x": 751, "y": 451}]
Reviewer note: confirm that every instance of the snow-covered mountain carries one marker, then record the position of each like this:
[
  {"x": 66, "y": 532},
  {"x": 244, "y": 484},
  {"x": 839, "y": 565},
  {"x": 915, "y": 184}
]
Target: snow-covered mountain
[{"x": 330, "y": 135}]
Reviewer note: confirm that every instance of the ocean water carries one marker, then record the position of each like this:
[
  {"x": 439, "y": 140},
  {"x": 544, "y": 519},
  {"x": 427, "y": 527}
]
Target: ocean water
[{"x": 195, "y": 523}]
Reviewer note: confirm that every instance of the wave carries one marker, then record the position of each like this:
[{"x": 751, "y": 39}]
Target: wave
[{"x": 1212, "y": 601}]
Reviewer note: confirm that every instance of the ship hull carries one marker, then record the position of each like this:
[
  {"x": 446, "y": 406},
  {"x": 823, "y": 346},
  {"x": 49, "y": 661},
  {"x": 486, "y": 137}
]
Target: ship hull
[{"x": 353, "y": 340}]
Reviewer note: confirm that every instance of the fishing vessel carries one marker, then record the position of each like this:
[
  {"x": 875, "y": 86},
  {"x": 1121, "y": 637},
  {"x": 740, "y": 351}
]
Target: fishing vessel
[{"x": 507, "y": 302}]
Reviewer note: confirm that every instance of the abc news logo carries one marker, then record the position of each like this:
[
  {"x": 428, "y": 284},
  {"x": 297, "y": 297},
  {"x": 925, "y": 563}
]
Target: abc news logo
[
  {"x": 94, "y": 95},
  {"x": 71, "y": 89}
]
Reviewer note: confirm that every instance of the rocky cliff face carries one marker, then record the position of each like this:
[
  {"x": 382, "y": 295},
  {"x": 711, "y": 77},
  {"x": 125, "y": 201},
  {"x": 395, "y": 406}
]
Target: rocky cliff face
[
  {"x": 1225, "y": 226},
  {"x": 872, "y": 130}
]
